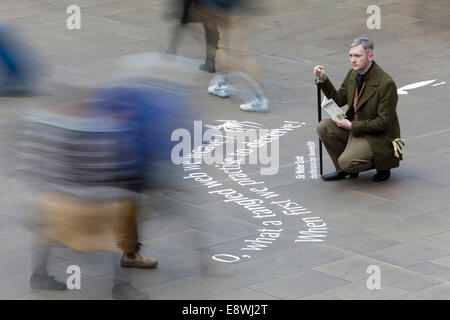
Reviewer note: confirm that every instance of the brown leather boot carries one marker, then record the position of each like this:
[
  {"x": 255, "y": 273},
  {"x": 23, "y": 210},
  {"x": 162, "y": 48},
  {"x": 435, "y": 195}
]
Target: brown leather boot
[{"x": 136, "y": 260}]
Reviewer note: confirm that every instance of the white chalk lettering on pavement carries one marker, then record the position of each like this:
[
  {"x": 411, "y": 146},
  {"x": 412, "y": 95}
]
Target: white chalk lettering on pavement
[
  {"x": 259, "y": 200},
  {"x": 312, "y": 160}
]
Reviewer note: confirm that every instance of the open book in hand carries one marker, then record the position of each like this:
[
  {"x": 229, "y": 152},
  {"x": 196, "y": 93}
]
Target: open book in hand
[{"x": 332, "y": 108}]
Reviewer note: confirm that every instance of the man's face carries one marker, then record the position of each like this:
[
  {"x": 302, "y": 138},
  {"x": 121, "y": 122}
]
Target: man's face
[{"x": 359, "y": 58}]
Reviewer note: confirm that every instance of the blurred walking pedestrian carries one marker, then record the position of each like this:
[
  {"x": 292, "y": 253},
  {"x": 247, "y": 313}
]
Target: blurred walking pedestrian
[
  {"x": 182, "y": 9},
  {"x": 17, "y": 64},
  {"x": 235, "y": 29},
  {"x": 93, "y": 165},
  {"x": 239, "y": 74}
]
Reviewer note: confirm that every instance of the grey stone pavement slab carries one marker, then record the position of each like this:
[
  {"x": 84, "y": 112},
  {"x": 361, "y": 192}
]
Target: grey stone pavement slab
[{"x": 207, "y": 248}]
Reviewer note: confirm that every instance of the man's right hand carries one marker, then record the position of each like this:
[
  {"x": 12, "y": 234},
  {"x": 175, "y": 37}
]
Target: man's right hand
[{"x": 319, "y": 73}]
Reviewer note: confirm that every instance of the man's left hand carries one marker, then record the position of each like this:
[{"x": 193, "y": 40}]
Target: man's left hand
[{"x": 344, "y": 123}]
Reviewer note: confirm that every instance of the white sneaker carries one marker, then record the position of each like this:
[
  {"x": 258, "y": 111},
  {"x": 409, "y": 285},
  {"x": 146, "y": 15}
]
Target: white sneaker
[
  {"x": 256, "y": 105},
  {"x": 220, "y": 89}
]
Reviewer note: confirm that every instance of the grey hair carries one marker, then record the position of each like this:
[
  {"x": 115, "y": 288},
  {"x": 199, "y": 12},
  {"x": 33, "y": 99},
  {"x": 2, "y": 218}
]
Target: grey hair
[{"x": 366, "y": 43}]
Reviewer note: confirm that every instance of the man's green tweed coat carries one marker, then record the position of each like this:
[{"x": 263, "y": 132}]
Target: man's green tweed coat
[{"x": 377, "y": 119}]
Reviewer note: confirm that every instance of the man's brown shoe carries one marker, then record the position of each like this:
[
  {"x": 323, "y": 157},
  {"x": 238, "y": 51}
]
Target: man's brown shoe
[{"x": 138, "y": 261}]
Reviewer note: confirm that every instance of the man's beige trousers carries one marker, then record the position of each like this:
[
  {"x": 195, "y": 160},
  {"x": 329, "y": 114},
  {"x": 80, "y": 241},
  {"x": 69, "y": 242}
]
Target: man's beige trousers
[{"x": 348, "y": 153}]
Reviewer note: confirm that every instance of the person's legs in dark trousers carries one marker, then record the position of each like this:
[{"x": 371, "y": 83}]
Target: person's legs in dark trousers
[
  {"x": 173, "y": 43},
  {"x": 8, "y": 58},
  {"x": 212, "y": 45},
  {"x": 197, "y": 13},
  {"x": 19, "y": 66},
  {"x": 40, "y": 279},
  {"x": 211, "y": 34}
]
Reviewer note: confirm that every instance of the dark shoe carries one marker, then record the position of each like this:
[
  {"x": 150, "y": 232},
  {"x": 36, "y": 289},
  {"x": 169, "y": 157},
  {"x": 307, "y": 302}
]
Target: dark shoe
[
  {"x": 125, "y": 291},
  {"x": 46, "y": 282},
  {"x": 138, "y": 261},
  {"x": 381, "y": 175},
  {"x": 208, "y": 66},
  {"x": 339, "y": 176}
]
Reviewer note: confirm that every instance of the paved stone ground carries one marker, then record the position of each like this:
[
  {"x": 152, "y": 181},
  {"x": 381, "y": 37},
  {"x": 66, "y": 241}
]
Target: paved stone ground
[{"x": 401, "y": 225}]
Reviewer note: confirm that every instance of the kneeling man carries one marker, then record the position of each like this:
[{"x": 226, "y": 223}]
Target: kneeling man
[{"x": 369, "y": 136}]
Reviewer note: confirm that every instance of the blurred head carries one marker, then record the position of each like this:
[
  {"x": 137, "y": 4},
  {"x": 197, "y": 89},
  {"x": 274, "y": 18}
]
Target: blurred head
[{"x": 361, "y": 54}]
